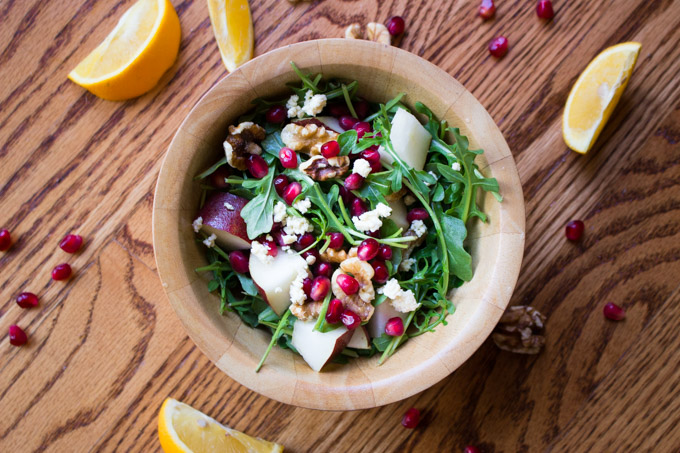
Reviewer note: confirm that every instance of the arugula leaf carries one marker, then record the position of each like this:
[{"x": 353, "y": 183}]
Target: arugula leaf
[
  {"x": 272, "y": 143},
  {"x": 258, "y": 212},
  {"x": 460, "y": 261},
  {"x": 204, "y": 174},
  {"x": 348, "y": 142}
]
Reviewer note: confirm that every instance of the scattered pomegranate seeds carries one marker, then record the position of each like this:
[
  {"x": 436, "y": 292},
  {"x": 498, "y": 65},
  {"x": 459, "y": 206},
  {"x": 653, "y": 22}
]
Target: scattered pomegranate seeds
[
  {"x": 257, "y": 166},
  {"x": 385, "y": 252},
  {"x": 291, "y": 192},
  {"x": 337, "y": 110},
  {"x": 347, "y": 122},
  {"x": 487, "y": 9},
  {"x": 17, "y": 336},
  {"x": 288, "y": 158},
  {"x": 217, "y": 179},
  {"x": 471, "y": 449},
  {"x": 71, "y": 243},
  {"x": 354, "y": 181},
  {"x": 498, "y": 47},
  {"x": 417, "y": 214},
  {"x": 394, "y": 327},
  {"x": 61, "y": 272},
  {"x": 307, "y": 286},
  {"x": 238, "y": 261},
  {"x": 350, "y": 319},
  {"x": 337, "y": 240},
  {"x": 5, "y": 240},
  {"x": 362, "y": 128},
  {"x": 368, "y": 249},
  {"x": 347, "y": 196},
  {"x": 334, "y": 311},
  {"x": 574, "y": 230},
  {"x": 544, "y": 9},
  {"x": 411, "y": 418},
  {"x": 320, "y": 287},
  {"x": 304, "y": 241},
  {"x": 280, "y": 184},
  {"x": 312, "y": 252},
  {"x": 361, "y": 108},
  {"x": 396, "y": 25},
  {"x": 272, "y": 249},
  {"x": 614, "y": 312},
  {"x": 276, "y": 114},
  {"x": 323, "y": 268},
  {"x": 381, "y": 274},
  {"x": 371, "y": 155},
  {"x": 358, "y": 207},
  {"x": 347, "y": 283},
  {"x": 330, "y": 149},
  {"x": 27, "y": 300}
]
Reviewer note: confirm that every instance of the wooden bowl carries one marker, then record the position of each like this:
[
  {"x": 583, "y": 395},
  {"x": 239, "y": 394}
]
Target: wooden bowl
[{"x": 496, "y": 246}]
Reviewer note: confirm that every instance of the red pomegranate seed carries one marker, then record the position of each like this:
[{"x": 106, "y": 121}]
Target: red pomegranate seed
[
  {"x": 334, "y": 311},
  {"x": 71, "y": 243},
  {"x": 276, "y": 114},
  {"x": 304, "y": 241},
  {"x": 288, "y": 158},
  {"x": 5, "y": 240},
  {"x": 371, "y": 155},
  {"x": 396, "y": 25},
  {"x": 361, "y": 108},
  {"x": 498, "y": 47},
  {"x": 471, "y": 449},
  {"x": 376, "y": 167},
  {"x": 320, "y": 287},
  {"x": 307, "y": 286},
  {"x": 348, "y": 284},
  {"x": 312, "y": 252},
  {"x": 368, "y": 249},
  {"x": 487, "y": 9},
  {"x": 61, "y": 272},
  {"x": 27, "y": 300},
  {"x": 385, "y": 252},
  {"x": 277, "y": 234},
  {"x": 362, "y": 128},
  {"x": 574, "y": 230},
  {"x": 291, "y": 192},
  {"x": 411, "y": 418},
  {"x": 354, "y": 181},
  {"x": 358, "y": 207},
  {"x": 330, "y": 149},
  {"x": 347, "y": 122},
  {"x": 337, "y": 240},
  {"x": 273, "y": 250},
  {"x": 280, "y": 184},
  {"x": 217, "y": 179},
  {"x": 544, "y": 9},
  {"x": 417, "y": 214},
  {"x": 381, "y": 274},
  {"x": 17, "y": 336},
  {"x": 238, "y": 261},
  {"x": 323, "y": 269},
  {"x": 350, "y": 319},
  {"x": 394, "y": 327},
  {"x": 614, "y": 312},
  {"x": 374, "y": 234},
  {"x": 338, "y": 110},
  {"x": 257, "y": 166}
]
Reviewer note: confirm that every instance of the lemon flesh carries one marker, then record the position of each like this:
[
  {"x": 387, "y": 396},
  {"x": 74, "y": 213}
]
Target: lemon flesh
[{"x": 233, "y": 29}]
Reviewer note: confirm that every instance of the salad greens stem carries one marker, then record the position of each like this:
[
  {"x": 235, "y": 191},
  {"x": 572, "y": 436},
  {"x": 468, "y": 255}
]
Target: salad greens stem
[
  {"x": 329, "y": 212},
  {"x": 321, "y": 321},
  {"x": 396, "y": 341},
  {"x": 275, "y": 337},
  {"x": 345, "y": 93}
]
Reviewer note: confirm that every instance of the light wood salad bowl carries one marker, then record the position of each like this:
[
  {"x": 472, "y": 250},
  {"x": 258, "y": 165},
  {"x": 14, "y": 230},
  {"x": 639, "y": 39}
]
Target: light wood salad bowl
[{"x": 496, "y": 246}]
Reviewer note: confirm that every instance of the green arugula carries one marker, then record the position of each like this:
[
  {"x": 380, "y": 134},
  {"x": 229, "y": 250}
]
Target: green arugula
[{"x": 258, "y": 212}]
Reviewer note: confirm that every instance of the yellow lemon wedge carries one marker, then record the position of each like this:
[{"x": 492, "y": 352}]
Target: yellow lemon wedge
[
  {"x": 183, "y": 429},
  {"x": 596, "y": 93},
  {"x": 134, "y": 56},
  {"x": 233, "y": 28}
]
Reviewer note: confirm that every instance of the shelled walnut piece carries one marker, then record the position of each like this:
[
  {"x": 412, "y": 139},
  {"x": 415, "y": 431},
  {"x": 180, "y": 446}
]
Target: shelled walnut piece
[
  {"x": 308, "y": 138},
  {"x": 520, "y": 330},
  {"x": 359, "y": 303},
  {"x": 320, "y": 168},
  {"x": 372, "y": 32},
  {"x": 241, "y": 142},
  {"x": 306, "y": 312}
]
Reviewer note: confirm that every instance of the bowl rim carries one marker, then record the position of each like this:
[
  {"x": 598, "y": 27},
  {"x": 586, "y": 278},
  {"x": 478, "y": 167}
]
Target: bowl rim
[{"x": 372, "y": 393}]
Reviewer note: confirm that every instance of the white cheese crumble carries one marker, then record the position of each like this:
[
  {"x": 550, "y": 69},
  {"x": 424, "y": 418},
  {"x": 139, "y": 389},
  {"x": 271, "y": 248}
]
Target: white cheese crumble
[
  {"x": 297, "y": 293},
  {"x": 288, "y": 239},
  {"x": 362, "y": 167},
  {"x": 303, "y": 205},
  {"x": 229, "y": 206},
  {"x": 280, "y": 213},
  {"x": 210, "y": 241},
  {"x": 456, "y": 166},
  {"x": 402, "y": 301},
  {"x": 406, "y": 265},
  {"x": 370, "y": 221},
  {"x": 197, "y": 224},
  {"x": 383, "y": 210},
  {"x": 418, "y": 227},
  {"x": 311, "y": 259},
  {"x": 260, "y": 251},
  {"x": 391, "y": 288},
  {"x": 297, "y": 225},
  {"x": 294, "y": 110},
  {"x": 314, "y": 103}
]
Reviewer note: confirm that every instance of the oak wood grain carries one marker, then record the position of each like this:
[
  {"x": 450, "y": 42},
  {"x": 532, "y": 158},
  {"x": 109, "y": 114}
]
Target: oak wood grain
[{"x": 72, "y": 162}]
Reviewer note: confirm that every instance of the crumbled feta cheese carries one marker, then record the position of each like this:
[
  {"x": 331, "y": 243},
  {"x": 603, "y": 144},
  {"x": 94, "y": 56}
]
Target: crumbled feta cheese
[
  {"x": 297, "y": 225},
  {"x": 297, "y": 293},
  {"x": 367, "y": 222},
  {"x": 391, "y": 288},
  {"x": 456, "y": 166},
  {"x": 229, "y": 206},
  {"x": 383, "y": 210},
  {"x": 418, "y": 227},
  {"x": 314, "y": 103},
  {"x": 288, "y": 238},
  {"x": 303, "y": 205},
  {"x": 311, "y": 259},
  {"x": 409, "y": 200},
  {"x": 294, "y": 110},
  {"x": 407, "y": 264},
  {"x": 210, "y": 241},
  {"x": 197, "y": 224},
  {"x": 278, "y": 289},
  {"x": 260, "y": 251},
  {"x": 280, "y": 213},
  {"x": 405, "y": 302},
  {"x": 362, "y": 167}
]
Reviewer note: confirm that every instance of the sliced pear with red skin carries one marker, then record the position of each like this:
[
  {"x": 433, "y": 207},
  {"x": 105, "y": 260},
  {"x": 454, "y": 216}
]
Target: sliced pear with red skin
[
  {"x": 221, "y": 215},
  {"x": 410, "y": 140},
  {"x": 383, "y": 313},
  {"x": 399, "y": 214},
  {"x": 274, "y": 279},
  {"x": 319, "y": 348},
  {"x": 360, "y": 339}
]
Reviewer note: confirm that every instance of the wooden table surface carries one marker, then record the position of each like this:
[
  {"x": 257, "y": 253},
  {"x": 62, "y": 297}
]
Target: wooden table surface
[{"x": 105, "y": 348}]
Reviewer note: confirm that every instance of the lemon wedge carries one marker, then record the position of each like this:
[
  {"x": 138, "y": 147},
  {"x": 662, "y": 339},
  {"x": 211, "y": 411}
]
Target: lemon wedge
[
  {"x": 596, "y": 93},
  {"x": 233, "y": 28},
  {"x": 134, "y": 56},
  {"x": 183, "y": 429}
]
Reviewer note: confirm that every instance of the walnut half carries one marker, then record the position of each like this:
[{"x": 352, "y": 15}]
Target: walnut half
[
  {"x": 306, "y": 138},
  {"x": 241, "y": 142},
  {"x": 359, "y": 303},
  {"x": 520, "y": 330},
  {"x": 321, "y": 169}
]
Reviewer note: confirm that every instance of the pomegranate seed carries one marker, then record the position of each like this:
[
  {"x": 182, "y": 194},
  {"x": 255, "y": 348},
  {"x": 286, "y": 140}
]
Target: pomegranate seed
[
  {"x": 471, "y": 449},
  {"x": 374, "y": 234},
  {"x": 614, "y": 312},
  {"x": 498, "y": 47},
  {"x": 304, "y": 241},
  {"x": 273, "y": 250},
  {"x": 291, "y": 192},
  {"x": 394, "y": 327},
  {"x": 361, "y": 108},
  {"x": 276, "y": 114},
  {"x": 350, "y": 319},
  {"x": 362, "y": 128},
  {"x": 330, "y": 149},
  {"x": 323, "y": 269},
  {"x": 5, "y": 240},
  {"x": 396, "y": 25},
  {"x": 218, "y": 176},
  {"x": 257, "y": 166},
  {"x": 312, "y": 252},
  {"x": 320, "y": 287},
  {"x": 347, "y": 122},
  {"x": 385, "y": 252},
  {"x": 27, "y": 300},
  {"x": 278, "y": 236},
  {"x": 417, "y": 214},
  {"x": 347, "y": 196},
  {"x": 487, "y": 9},
  {"x": 337, "y": 241},
  {"x": 280, "y": 184},
  {"x": 334, "y": 311},
  {"x": 307, "y": 286},
  {"x": 71, "y": 243},
  {"x": 354, "y": 181},
  {"x": 381, "y": 274},
  {"x": 544, "y": 9},
  {"x": 411, "y": 418},
  {"x": 574, "y": 230},
  {"x": 375, "y": 167},
  {"x": 368, "y": 249},
  {"x": 338, "y": 110},
  {"x": 61, "y": 272},
  {"x": 348, "y": 284},
  {"x": 358, "y": 207},
  {"x": 371, "y": 155},
  {"x": 288, "y": 158},
  {"x": 17, "y": 336},
  {"x": 238, "y": 261}
]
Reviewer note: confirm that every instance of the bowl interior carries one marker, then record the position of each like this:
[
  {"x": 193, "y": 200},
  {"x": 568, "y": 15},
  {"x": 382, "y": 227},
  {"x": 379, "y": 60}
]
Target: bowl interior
[{"x": 496, "y": 246}]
